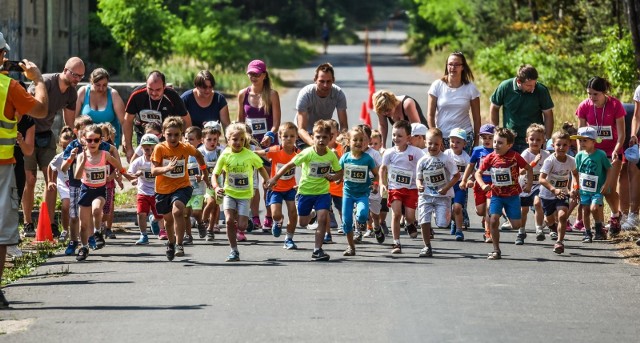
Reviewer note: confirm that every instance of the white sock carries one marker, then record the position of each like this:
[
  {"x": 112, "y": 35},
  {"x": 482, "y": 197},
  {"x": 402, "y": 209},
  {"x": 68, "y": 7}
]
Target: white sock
[
  {"x": 521, "y": 230},
  {"x": 289, "y": 235}
]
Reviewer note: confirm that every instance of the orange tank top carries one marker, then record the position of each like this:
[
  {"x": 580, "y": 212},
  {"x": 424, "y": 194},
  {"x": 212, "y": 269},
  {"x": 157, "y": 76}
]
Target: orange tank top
[{"x": 95, "y": 175}]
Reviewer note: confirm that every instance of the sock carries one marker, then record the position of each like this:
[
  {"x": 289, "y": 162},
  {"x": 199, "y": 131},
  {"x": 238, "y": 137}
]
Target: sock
[
  {"x": 615, "y": 215},
  {"x": 588, "y": 231},
  {"x": 95, "y": 230},
  {"x": 315, "y": 249},
  {"x": 539, "y": 227},
  {"x": 522, "y": 230},
  {"x": 234, "y": 249},
  {"x": 396, "y": 241},
  {"x": 289, "y": 235}
]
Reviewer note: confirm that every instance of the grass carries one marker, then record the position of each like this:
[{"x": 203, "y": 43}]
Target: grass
[{"x": 34, "y": 254}]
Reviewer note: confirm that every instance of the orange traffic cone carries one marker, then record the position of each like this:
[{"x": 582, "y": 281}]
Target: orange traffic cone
[{"x": 43, "y": 232}]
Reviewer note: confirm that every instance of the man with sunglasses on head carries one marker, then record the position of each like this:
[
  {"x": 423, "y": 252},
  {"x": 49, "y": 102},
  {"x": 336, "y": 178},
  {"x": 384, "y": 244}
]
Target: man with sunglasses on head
[
  {"x": 62, "y": 94},
  {"x": 151, "y": 103}
]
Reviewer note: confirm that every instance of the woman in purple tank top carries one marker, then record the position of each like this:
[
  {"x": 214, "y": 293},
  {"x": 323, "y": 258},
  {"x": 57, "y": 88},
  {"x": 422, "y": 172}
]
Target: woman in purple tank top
[{"x": 259, "y": 105}]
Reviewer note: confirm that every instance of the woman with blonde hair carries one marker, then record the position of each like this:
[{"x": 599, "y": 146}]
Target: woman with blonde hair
[{"x": 391, "y": 108}]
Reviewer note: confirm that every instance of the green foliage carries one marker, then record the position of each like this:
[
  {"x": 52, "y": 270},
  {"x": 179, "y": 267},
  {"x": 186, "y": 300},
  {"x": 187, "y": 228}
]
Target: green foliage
[
  {"x": 31, "y": 258},
  {"x": 616, "y": 61}
]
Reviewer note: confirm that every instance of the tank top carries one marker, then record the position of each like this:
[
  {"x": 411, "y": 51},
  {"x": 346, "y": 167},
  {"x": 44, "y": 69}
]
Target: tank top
[
  {"x": 98, "y": 116},
  {"x": 423, "y": 120},
  {"x": 95, "y": 175},
  {"x": 259, "y": 121}
]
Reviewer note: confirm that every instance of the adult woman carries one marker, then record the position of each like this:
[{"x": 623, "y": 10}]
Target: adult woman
[
  {"x": 633, "y": 219},
  {"x": 606, "y": 114},
  {"x": 101, "y": 102},
  {"x": 204, "y": 103},
  {"x": 452, "y": 97},
  {"x": 391, "y": 108}
]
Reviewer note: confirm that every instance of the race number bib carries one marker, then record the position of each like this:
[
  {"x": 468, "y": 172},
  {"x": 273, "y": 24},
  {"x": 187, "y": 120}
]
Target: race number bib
[
  {"x": 146, "y": 174},
  {"x": 588, "y": 183},
  {"x": 193, "y": 170},
  {"x": 178, "y": 171},
  {"x": 355, "y": 173},
  {"x": 288, "y": 175},
  {"x": 258, "y": 125},
  {"x": 536, "y": 178},
  {"x": 150, "y": 116},
  {"x": 559, "y": 183},
  {"x": 95, "y": 175},
  {"x": 604, "y": 132},
  {"x": 319, "y": 169},
  {"x": 501, "y": 177},
  {"x": 434, "y": 178},
  {"x": 401, "y": 176},
  {"x": 462, "y": 168},
  {"x": 210, "y": 167},
  {"x": 238, "y": 180}
]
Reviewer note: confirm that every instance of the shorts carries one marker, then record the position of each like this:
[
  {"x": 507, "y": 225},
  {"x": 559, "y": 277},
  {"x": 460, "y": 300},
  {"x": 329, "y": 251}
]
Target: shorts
[
  {"x": 408, "y": 197},
  {"x": 384, "y": 206},
  {"x": 89, "y": 194},
  {"x": 147, "y": 204},
  {"x": 459, "y": 195},
  {"x": 337, "y": 203},
  {"x": 9, "y": 234},
  {"x": 41, "y": 157},
  {"x": 275, "y": 197},
  {"x": 74, "y": 198},
  {"x": 375, "y": 204},
  {"x": 242, "y": 206},
  {"x": 196, "y": 202},
  {"x": 511, "y": 206},
  {"x": 164, "y": 202},
  {"x": 430, "y": 205},
  {"x": 480, "y": 196},
  {"x": 591, "y": 199},
  {"x": 308, "y": 202},
  {"x": 528, "y": 201},
  {"x": 108, "y": 200},
  {"x": 550, "y": 206},
  {"x": 63, "y": 189},
  {"x": 210, "y": 194}
]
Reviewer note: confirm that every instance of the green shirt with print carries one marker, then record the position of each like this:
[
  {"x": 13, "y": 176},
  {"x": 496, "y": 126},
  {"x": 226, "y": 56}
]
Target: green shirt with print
[
  {"x": 592, "y": 170},
  {"x": 314, "y": 170},
  {"x": 238, "y": 168}
]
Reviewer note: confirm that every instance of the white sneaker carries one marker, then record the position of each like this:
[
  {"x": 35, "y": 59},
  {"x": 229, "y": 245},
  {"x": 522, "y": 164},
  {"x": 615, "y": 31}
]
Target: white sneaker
[
  {"x": 14, "y": 251},
  {"x": 506, "y": 226},
  {"x": 632, "y": 222}
]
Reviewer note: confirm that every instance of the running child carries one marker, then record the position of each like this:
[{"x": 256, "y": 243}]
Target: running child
[
  {"x": 437, "y": 173},
  {"x": 338, "y": 144},
  {"x": 555, "y": 178},
  {"x": 504, "y": 165},
  {"x": 211, "y": 150},
  {"x": 108, "y": 135},
  {"x": 456, "y": 151},
  {"x": 61, "y": 183},
  {"x": 196, "y": 202},
  {"x": 375, "y": 199},
  {"x": 313, "y": 191},
  {"x": 238, "y": 163},
  {"x": 173, "y": 188},
  {"x": 376, "y": 144},
  {"x": 152, "y": 128},
  {"x": 398, "y": 173}
]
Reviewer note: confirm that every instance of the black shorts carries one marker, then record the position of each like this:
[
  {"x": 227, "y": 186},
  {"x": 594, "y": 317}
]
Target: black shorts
[
  {"x": 89, "y": 194},
  {"x": 164, "y": 202},
  {"x": 550, "y": 206},
  {"x": 528, "y": 201},
  {"x": 385, "y": 207}
]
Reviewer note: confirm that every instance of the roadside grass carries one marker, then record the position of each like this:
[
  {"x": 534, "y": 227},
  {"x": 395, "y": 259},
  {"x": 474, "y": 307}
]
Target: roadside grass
[{"x": 34, "y": 254}]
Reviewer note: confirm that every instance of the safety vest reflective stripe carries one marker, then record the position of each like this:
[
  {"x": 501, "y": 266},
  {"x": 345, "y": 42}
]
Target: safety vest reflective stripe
[
  {"x": 8, "y": 141},
  {"x": 5, "y": 125}
]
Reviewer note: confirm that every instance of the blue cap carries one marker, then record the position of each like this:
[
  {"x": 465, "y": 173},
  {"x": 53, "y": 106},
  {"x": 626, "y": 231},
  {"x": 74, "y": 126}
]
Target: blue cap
[{"x": 487, "y": 129}]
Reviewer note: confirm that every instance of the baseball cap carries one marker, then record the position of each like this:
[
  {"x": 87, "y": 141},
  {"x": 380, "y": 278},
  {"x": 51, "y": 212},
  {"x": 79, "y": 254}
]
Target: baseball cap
[
  {"x": 459, "y": 133},
  {"x": 632, "y": 154},
  {"x": 256, "y": 66},
  {"x": 149, "y": 139},
  {"x": 586, "y": 132},
  {"x": 214, "y": 124},
  {"x": 3, "y": 43},
  {"x": 487, "y": 129},
  {"x": 550, "y": 145},
  {"x": 418, "y": 129}
]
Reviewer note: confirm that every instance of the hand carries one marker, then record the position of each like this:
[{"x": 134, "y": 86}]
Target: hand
[
  {"x": 527, "y": 189},
  {"x": 559, "y": 193},
  {"x": 128, "y": 150},
  {"x": 266, "y": 141},
  {"x": 420, "y": 188},
  {"x": 633, "y": 140},
  {"x": 120, "y": 184},
  {"x": 52, "y": 186},
  {"x": 442, "y": 191},
  {"x": 172, "y": 163},
  {"x": 74, "y": 152},
  {"x": 574, "y": 193},
  {"x": 134, "y": 182},
  {"x": 269, "y": 183},
  {"x": 219, "y": 191},
  {"x": 198, "y": 178},
  {"x": 138, "y": 173},
  {"x": 374, "y": 188},
  {"x": 487, "y": 188},
  {"x": 31, "y": 71},
  {"x": 19, "y": 139},
  {"x": 207, "y": 182},
  {"x": 384, "y": 189},
  {"x": 606, "y": 189},
  {"x": 538, "y": 158},
  {"x": 469, "y": 184}
]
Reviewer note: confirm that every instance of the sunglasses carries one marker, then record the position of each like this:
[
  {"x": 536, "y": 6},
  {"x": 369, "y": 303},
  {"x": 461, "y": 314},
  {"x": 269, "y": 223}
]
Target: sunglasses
[
  {"x": 254, "y": 74},
  {"x": 77, "y": 76},
  {"x": 93, "y": 140}
]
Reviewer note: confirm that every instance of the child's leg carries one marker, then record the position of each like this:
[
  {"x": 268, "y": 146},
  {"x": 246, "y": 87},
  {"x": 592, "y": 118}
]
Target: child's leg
[
  {"x": 293, "y": 218},
  {"x": 586, "y": 217},
  {"x": 231, "y": 216},
  {"x": 97, "y": 209},
  {"x": 425, "y": 228},
  {"x": 539, "y": 216},
  {"x": 457, "y": 215},
  {"x": 563, "y": 215},
  {"x": 215, "y": 217},
  {"x": 64, "y": 213},
  {"x": 179, "y": 223},
  {"x": 323, "y": 225},
  {"x": 524, "y": 212},
  {"x": 85, "y": 224},
  {"x": 255, "y": 204},
  {"x": 396, "y": 214},
  {"x": 187, "y": 218},
  {"x": 347, "y": 221},
  {"x": 276, "y": 212},
  {"x": 494, "y": 225},
  {"x": 142, "y": 222}
]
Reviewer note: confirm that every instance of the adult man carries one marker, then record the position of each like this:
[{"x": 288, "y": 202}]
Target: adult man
[
  {"x": 318, "y": 101},
  {"x": 14, "y": 101},
  {"x": 525, "y": 101},
  {"x": 62, "y": 94},
  {"x": 151, "y": 104}
]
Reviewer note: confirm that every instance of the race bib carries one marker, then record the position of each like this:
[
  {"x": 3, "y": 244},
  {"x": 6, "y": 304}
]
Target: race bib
[
  {"x": 95, "y": 175},
  {"x": 434, "y": 178},
  {"x": 238, "y": 180},
  {"x": 319, "y": 169},
  {"x": 150, "y": 116},
  {"x": 177, "y": 172},
  {"x": 193, "y": 170},
  {"x": 258, "y": 125},
  {"x": 588, "y": 183},
  {"x": 288, "y": 175},
  {"x": 559, "y": 183},
  {"x": 501, "y": 177},
  {"x": 401, "y": 176},
  {"x": 146, "y": 174},
  {"x": 210, "y": 167},
  {"x": 462, "y": 168},
  {"x": 355, "y": 173},
  {"x": 605, "y": 132}
]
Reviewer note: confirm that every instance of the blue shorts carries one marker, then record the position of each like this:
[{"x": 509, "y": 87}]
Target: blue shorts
[
  {"x": 89, "y": 194},
  {"x": 511, "y": 206},
  {"x": 528, "y": 201},
  {"x": 274, "y": 197},
  {"x": 459, "y": 196},
  {"x": 308, "y": 202},
  {"x": 591, "y": 199},
  {"x": 550, "y": 206},
  {"x": 164, "y": 202}
]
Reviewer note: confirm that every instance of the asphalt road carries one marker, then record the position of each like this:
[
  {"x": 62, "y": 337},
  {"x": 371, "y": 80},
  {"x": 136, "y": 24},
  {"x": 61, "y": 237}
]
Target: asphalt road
[{"x": 125, "y": 293}]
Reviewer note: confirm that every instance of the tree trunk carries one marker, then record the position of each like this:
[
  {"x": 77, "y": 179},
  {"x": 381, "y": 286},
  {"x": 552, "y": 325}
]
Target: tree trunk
[{"x": 633, "y": 10}]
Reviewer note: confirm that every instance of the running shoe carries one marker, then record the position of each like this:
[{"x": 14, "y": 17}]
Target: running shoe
[
  {"x": 99, "y": 240},
  {"x": 216, "y": 229},
  {"x": 143, "y": 240},
  {"x": 313, "y": 217},
  {"x": 171, "y": 251},
  {"x": 601, "y": 235},
  {"x": 276, "y": 230},
  {"x": 614, "y": 226},
  {"x": 108, "y": 233},
  {"x": 357, "y": 237},
  {"x": 64, "y": 235},
  {"x": 632, "y": 222},
  {"x": 495, "y": 255},
  {"x": 368, "y": 234},
  {"x": 459, "y": 236},
  {"x": 426, "y": 252},
  {"x": 327, "y": 238},
  {"x": 433, "y": 234},
  {"x": 55, "y": 231},
  {"x": 289, "y": 244},
  {"x": 234, "y": 256},
  {"x": 465, "y": 219},
  {"x": 411, "y": 230},
  {"x": 578, "y": 225},
  {"x": 396, "y": 249},
  {"x": 250, "y": 226},
  {"x": 558, "y": 248},
  {"x": 452, "y": 226},
  {"x": 540, "y": 236},
  {"x": 341, "y": 230},
  {"x": 13, "y": 251},
  {"x": 187, "y": 240},
  {"x": 155, "y": 227},
  {"x": 553, "y": 234},
  {"x": 487, "y": 237},
  {"x": 240, "y": 236},
  {"x": 351, "y": 251},
  {"x": 202, "y": 230},
  {"x": 179, "y": 250},
  {"x": 162, "y": 235},
  {"x": 520, "y": 238},
  {"x": 210, "y": 236},
  {"x": 82, "y": 254},
  {"x": 266, "y": 229},
  {"x": 379, "y": 233},
  {"x": 29, "y": 230},
  {"x": 569, "y": 226},
  {"x": 506, "y": 226},
  {"x": 3, "y": 301},
  {"x": 638, "y": 242},
  {"x": 320, "y": 255},
  {"x": 268, "y": 222},
  {"x": 71, "y": 248},
  {"x": 587, "y": 237},
  {"x": 385, "y": 228},
  {"x": 92, "y": 242},
  {"x": 256, "y": 223}
]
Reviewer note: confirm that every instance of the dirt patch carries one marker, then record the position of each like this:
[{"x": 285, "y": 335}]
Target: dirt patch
[
  {"x": 8, "y": 327},
  {"x": 626, "y": 246}
]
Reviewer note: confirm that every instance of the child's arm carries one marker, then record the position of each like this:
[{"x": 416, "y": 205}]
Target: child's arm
[
  {"x": 529, "y": 184},
  {"x": 337, "y": 176},
  {"x": 82, "y": 159},
  {"x": 376, "y": 177},
  {"x": 69, "y": 161},
  {"x": 383, "y": 178},
  {"x": 575, "y": 188},
  {"x": 272, "y": 181},
  {"x": 611, "y": 177},
  {"x": 265, "y": 176},
  {"x": 52, "y": 175},
  {"x": 478, "y": 175},
  {"x": 450, "y": 184},
  {"x": 157, "y": 169},
  {"x": 466, "y": 183},
  {"x": 261, "y": 152},
  {"x": 203, "y": 168},
  {"x": 559, "y": 193}
]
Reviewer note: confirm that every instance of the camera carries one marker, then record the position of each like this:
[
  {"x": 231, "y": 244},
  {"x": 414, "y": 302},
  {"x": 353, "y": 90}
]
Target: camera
[{"x": 11, "y": 66}]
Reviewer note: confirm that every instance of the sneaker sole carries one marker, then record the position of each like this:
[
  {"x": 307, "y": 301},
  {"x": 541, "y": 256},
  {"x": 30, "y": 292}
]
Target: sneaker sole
[{"x": 320, "y": 259}]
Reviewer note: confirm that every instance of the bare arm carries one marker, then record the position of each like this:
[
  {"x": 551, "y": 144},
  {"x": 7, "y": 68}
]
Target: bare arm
[
  {"x": 118, "y": 107},
  {"x": 241, "y": 114},
  {"x": 31, "y": 72},
  {"x": 301, "y": 118},
  {"x": 411, "y": 111},
  {"x": 450, "y": 184},
  {"x": 475, "y": 116},
  {"x": 549, "y": 122},
  {"x": 81, "y": 161},
  {"x": 27, "y": 143},
  {"x": 342, "y": 119},
  {"x": 431, "y": 112},
  {"x": 621, "y": 137},
  {"x": 224, "y": 117},
  {"x": 495, "y": 114},
  {"x": 80, "y": 101},
  {"x": 69, "y": 117},
  {"x": 127, "y": 129},
  {"x": 467, "y": 175},
  {"x": 187, "y": 120},
  {"x": 633, "y": 140},
  {"x": 383, "y": 126},
  {"x": 158, "y": 169}
]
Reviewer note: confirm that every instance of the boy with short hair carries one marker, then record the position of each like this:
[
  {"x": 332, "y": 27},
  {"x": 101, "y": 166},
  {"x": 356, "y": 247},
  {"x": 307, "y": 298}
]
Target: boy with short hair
[
  {"x": 456, "y": 151},
  {"x": 196, "y": 202},
  {"x": 211, "y": 150}
]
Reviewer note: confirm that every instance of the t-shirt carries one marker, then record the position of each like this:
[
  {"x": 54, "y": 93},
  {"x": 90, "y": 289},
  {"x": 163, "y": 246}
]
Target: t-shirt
[
  {"x": 401, "y": 167},
  {"x": 592, "y": 170},
  {"x": 558, "y": 174},
  {"x": 603, "y": 120},
  {"x": 335, "y": 188},
  {"x": 73, "y": 182},
  {"x": 317, "y": 108},
  {"x": 314, "y": 170},
  {"x": 153, "y": 111},
  {"x": 238, "y": 168},
  {"x": 636, "y": 95},
  {"x": 528, "y": 156},
  {"x": 505, "y": 170},
  {"x": 177, "y": 178},
  {"x": 57, "y": 100},
  {"x": 435, "y": 172},
  {"x": 453, "y": 105},
  {"x": 200, "y": 115},
  {"x": 357, "y": 181},
  {"x": 199, "y": 187},
  {"x": 25, "y": 123},
  {"x": 521, "y": 109},
  {"x": 279, "y": 158},
  {"x": 377, "y": 158},
  {"x": 477, "y": 156},
  {"x": 461, "y": 160},
  {"x": 56, "y": 165},
  {"x": 146, "y": 182}
]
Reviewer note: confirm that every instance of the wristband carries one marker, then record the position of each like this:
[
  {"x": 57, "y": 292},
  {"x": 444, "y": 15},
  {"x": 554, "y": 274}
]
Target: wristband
[
  {"x": 576, "y": 186},
  {"x": 271, "y": 135},
  {"x": 375, "y": 183},
  {"x": 533, "y": 164},
  {"x": 203, "y": 167},
  {"x": 123, "y": 171}
]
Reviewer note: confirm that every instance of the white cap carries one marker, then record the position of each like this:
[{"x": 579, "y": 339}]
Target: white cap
[
  {"x": 3, "y": 43},
  {"x": 418, "y": 129}
]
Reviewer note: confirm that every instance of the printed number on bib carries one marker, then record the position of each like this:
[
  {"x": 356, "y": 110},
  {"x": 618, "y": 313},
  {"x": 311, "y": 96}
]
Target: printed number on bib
[
  {"x": 434, "y": 178},
  {"x": 148, "y": 176},
  {"x": 238, "y": 180},
  {"x": 501, "y": 177},
  {"x": 210, "y": 167},
  {"x": 96, "y": 176},
  {"x": 177, "y": 172},
  {"x": 193, "y": 170},
  {"x": 559, "y": 183},
  {"x": 588, "y": 183},
  {"x": 150, "y": 116},
  {"x": 318, "y": 169},
  {"x": 258, "y": 125},
  {"x": 605, "y": 132},
  {"x": 355, "y": 173},
  {"x": 288, "y": 175},
  {"x": 462, "y": 168},
  {"x": 401, "y": 176}
]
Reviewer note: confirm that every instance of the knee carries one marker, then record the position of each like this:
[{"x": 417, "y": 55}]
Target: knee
[
  {"x": 30, "y": 179},
  {"x": 96, "y": 211}
]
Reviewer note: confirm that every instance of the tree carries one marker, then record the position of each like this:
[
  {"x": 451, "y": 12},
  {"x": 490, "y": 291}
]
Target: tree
[{"x": 633, "y": 11}]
